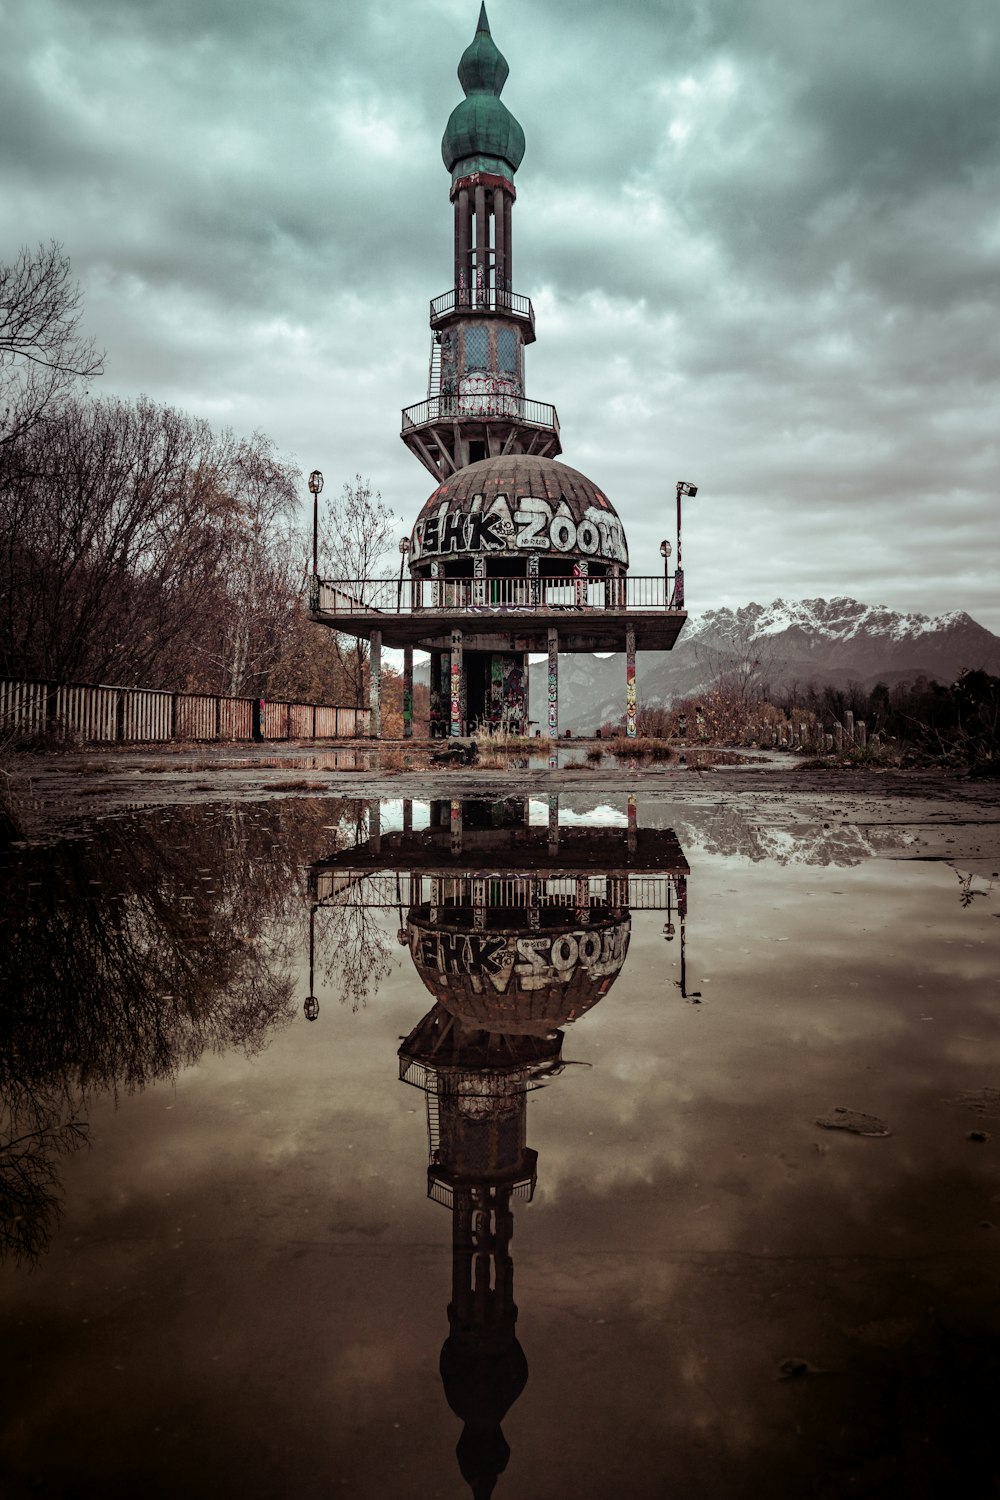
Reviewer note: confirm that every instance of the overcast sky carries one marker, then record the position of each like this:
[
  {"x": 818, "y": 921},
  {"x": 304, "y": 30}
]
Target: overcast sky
[{"x": 762, "y": 241}]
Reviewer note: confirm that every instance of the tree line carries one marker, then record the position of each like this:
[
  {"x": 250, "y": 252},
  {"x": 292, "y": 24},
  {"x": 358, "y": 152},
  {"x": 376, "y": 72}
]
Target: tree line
[{"x": 143, "y": 547}]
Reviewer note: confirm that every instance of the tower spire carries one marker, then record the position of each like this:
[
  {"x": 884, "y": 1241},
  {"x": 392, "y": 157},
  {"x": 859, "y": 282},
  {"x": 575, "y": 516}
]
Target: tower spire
[{"x": 484, "y": 20}]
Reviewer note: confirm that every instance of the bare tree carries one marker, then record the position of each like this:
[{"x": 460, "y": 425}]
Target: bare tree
[
  {"x": 358, "y": 532},
  {"x": 42, "y": 352}
]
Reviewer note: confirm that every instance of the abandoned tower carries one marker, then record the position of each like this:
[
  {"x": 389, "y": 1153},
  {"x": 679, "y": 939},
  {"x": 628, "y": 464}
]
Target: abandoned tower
[{"x": 514, "y": 552}]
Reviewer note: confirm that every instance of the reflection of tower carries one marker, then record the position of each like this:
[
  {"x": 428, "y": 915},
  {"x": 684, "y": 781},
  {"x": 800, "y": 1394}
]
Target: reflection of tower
[
  {"x": 515, "y": 930},
  {"x": 509, "y": 960}
]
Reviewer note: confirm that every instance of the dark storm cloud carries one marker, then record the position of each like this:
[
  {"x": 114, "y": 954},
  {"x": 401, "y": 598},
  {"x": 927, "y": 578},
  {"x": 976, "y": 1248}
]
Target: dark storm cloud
[{"x": 762, "y": 243}]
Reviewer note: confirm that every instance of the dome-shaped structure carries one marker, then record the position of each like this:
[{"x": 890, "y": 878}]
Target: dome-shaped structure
[
  {"x": 515, "y": 507},
  {"x": 482, "y": 135},
  {"x": 517, "y": 979}
]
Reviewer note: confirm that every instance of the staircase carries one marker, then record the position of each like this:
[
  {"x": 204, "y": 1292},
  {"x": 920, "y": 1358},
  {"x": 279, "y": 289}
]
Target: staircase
[{"x": 434, "y": 369}]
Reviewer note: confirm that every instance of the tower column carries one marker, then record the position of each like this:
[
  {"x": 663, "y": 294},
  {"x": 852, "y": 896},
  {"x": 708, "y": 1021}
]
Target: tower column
[
  {"x": 462, "y": 244},
  {"x": 375, "y": 684},
  {"x": 407, "y": 692},
  {"x": 499, "y": 245},
  {"x": 630, "y": 681},
  {"x": 456, "y": 682},
  {"x": 508, "y": 244},
  {"x": 482, "y": 247},
  {"x": 553, "y": 682}
]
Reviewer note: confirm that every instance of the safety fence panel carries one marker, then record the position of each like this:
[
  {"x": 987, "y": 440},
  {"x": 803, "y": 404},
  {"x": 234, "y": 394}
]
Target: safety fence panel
[{"x": 124, "y": 715}]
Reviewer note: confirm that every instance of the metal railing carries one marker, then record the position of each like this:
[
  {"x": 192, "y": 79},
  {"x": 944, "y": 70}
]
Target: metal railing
[
  {"x": 368, "y": 596},
  {"x": 99, "y": 714},
  {"x": 489, "y": 405},
  {"x": 478, "y": 299},
  {"x": 605, "y": 894}
]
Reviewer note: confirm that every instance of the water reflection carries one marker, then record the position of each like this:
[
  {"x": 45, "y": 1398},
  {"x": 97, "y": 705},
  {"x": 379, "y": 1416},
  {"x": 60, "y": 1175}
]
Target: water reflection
[
  {"x": 126, "y": 955},
  {"x": 515, "y": 931}
]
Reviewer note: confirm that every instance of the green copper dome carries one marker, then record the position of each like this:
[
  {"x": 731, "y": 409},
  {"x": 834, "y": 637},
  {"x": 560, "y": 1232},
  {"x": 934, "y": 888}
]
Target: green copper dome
[{"x": 482, "y": 135}]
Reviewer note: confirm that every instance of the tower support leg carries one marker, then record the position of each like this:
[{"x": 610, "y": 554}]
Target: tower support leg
[
  {"x": 456, "y": 682},
  {"x": 553, "y": 723},
  {"x": 407, "y": 692},
  {"x": 375, "y": 684},
  {"x": 630, "y": 681}
]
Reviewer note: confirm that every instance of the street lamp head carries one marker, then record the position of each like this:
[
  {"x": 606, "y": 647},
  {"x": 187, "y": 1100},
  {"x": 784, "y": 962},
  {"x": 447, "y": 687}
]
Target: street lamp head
[
  {"x": 404, "y": 545},
  {"x": 311, "y": 1008},
  {"x": 683, "y": 488},
  {"x": 665, "y": 549},
  {"x": 315, "y": 482}
]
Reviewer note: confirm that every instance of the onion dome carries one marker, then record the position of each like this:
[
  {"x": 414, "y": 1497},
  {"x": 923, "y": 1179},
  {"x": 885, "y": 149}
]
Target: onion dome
[
  {"x": 482, "y": 135},
  {"x": 516, "y": 505}
]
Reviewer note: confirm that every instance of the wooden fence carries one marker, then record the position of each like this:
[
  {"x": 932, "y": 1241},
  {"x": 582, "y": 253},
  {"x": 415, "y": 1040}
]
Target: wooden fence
[{"x": 123, "y": 715}]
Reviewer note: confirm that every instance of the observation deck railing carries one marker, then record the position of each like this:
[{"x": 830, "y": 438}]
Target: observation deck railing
[
  {"x": 485, "y": 596},
  {"x": 495, "y": 406},
  {"x": 491, "y": 299}
]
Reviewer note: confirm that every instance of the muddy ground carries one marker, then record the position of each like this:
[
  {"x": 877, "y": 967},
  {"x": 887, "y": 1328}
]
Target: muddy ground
[{"x": 937, "y": 815}]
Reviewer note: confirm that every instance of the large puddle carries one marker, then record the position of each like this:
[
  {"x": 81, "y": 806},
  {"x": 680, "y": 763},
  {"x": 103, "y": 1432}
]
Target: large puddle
[{"x": 630, "y": 1151}]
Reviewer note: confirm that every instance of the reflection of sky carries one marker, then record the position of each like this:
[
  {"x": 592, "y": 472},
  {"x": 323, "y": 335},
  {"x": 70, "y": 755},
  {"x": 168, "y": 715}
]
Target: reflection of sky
[{"x": 250, "y": 1283}]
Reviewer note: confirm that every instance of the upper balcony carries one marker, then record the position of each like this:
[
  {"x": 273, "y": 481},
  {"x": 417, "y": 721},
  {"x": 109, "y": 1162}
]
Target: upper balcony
[
  {"x": 470, "y": 301},
  {"x": 485, "y": 406}
]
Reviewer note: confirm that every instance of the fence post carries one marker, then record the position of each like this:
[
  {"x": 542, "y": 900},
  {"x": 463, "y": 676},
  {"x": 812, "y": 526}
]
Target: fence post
[{"x": 256, "y": 720}]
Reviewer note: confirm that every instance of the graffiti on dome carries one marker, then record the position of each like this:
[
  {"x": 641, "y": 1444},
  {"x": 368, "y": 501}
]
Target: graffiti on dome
[
  {"x": 530, "y": 527},
  {"x": 532, "y": 962}
]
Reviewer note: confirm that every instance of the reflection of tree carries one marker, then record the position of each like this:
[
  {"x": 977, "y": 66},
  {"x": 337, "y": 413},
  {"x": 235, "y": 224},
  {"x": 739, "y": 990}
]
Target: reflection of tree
[
  {"x": 353, "y": 947},
  {"x": 123, "y": 958}
]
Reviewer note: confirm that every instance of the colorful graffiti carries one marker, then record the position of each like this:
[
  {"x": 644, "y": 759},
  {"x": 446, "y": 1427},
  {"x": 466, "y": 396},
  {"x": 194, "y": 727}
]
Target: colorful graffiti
[
  {"x": 527, "y": 961},
  {"x": 532, "y": 526},
  {"x": 630, "y": 683},
  {"x": 553, "y": 688},
  {"x": 456, "y": 682}
]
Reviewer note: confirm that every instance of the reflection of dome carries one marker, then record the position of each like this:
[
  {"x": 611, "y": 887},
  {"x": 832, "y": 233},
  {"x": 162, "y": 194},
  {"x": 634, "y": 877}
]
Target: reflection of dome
[
  {"x": 518, "y": 980},
  {"x": 511, "y": 507},
  {"x": 482, "y": 135}
]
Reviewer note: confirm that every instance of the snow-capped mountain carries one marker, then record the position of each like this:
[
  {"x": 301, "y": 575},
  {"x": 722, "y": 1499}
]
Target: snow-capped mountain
[{"x": 822, "y": 641}]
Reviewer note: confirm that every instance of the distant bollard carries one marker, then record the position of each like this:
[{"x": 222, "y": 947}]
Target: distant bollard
[
  {"x": 861, "y": 735},
  {"x": 828, "y": 739},
  {"x": 848, "y": 728},
  {"x": 838, "y": 737},
  {"x": 802, "y": 736}
]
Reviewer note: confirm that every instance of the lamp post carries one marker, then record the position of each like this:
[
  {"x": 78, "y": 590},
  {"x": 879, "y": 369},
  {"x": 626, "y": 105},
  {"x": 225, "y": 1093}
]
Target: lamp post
[
  {"x": 315, "y": 485},
  {"x": 665, "y": 551},
  {"x": 683, "y": 488},
  {"x": 404, "y": 552}
]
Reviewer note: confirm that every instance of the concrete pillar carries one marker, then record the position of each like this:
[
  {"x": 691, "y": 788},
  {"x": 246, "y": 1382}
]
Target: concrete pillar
[
  {"x": 456, "y": 827},
  {"x": 408, "y": 818},
  {"x": 633, "y": 824},
  {"x": 828, "y": 742},
  {"x": 848, "y": 728},
  {"x": 499, "y": 245},
  {"x": 534, "y": 583},
  {"x": 456, "y": 682},
  {"x": 479, "y": 580},
  {"x": 583, "y": 900},
  {"x": 464, "y": 208},
  {"x": 838, "y": 737},
  {"x": 482, "y": 246},
  {"x": 534, "y": 905},
  {"x": 553, "y": 825},
  {"x": 375, "y": 684},
  {"x": 861, "y": 735},
  {"x": 553, "y": 721},
  {"x": 508, "y": 243},
  {"x": 375, "y": 826},
  {"x": 434, "y": 813},
  {"x": 526, "y": 726},
  {"x": 580, "y": 573},
  {"x": 630, "y": 681},
  {"x": 407, "y": 692},
  {"x": 479, "y": 904}
]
